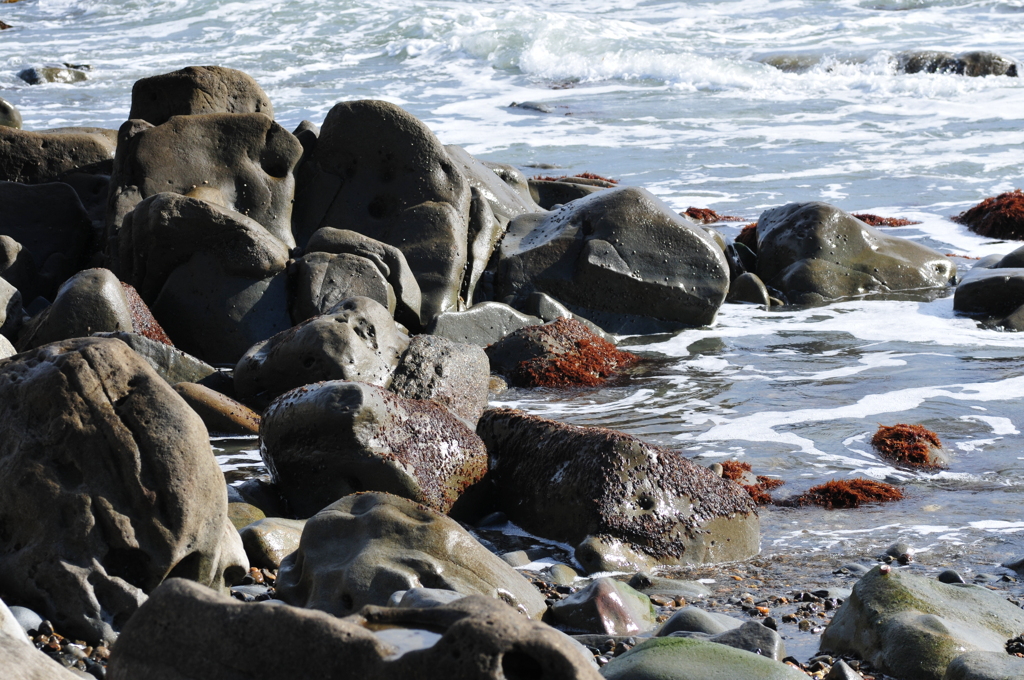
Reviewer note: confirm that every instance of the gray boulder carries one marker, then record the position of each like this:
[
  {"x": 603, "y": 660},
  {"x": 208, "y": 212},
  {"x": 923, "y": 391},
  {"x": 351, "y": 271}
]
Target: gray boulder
[
  {"x": 91, "y": 301},
  {"x": 110, "y": 487},
  {"x": 324, "y": 441},
  {"x": 670, "y": 587},
  {"x": 171, "y": 363},
  {"x": 357, "y": 341},
  {"x": 453, "y": 374},
  {"x": 9, "y": 115},
  {"x": 492, "y": 180},
  {"x": 675, "y": 658},
  {"x": 364, "y": 547},
  {"x": 913, "y": 627},
  {"x": 268, "y": 541},
  {"x": 972, "y": 64},
  {"x": 814, "y": 252},
  {"x": 197, "y": 89},
  {"x": 548, "y": 308},
  {"x": 605, "y": 606},
  {"x": 993, "y": 291},
  {"x": 549, "y": 195},
  {"x": 482, "y": 324},
  {"x": 696, "y": 620},
  {"x": 750, "y": 636},
  {"x": 660, "y": 509},
  {"x": 52, "y": 155},
  {"x": 622, "y": 259},
  {"x": 379, "y": 171},
  {"x": 514, "y": 178},
  {"x": 985, "y": 666},
  {"x": 749, "y": 288},
  {"x": 322, "y": 280}
]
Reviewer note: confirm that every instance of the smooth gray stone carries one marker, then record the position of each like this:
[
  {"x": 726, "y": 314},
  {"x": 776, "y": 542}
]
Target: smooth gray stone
[
  {"x": 513, "y": 177},
  {"x": 516, "y": 558},
  {"x": 90, "y": 301},
  {"x": 269, "y": 540},
  {"x": 675, "y": 658},
  {"x": 856, "y": 569},
  {"x": 11, "y": 624},
  {"x": 750, "y": 636},
  {"x": 1012, "y": 260},
  {"x": 26, "y": 618},
  {"x": 990, "y": 292},
  {"x": 749, "y": 288},
  {"x": 1017, "y": 564},
  {"x": 322, "y": 280},
  {"x": 695, "y": 620},
  {"x": 605, "y": 606},
  {"x": 482, "y": 324},
  {"x": 971, "y": 64},
  {"x": 562, "y": 574},
  {"x": 171, "y": 363},
  {"x": 833, "y": 593},
  {"x": 985, "y": 666},
  {"x": 950, "y": 576}
]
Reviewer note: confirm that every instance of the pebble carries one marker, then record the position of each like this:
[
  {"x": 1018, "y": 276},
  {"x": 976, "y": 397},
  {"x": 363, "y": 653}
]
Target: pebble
[{"x": 950, "y": 576}]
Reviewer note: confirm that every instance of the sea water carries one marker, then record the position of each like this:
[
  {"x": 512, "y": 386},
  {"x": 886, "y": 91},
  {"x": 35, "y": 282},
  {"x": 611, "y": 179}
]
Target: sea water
[{"x": 674, "y": 97}]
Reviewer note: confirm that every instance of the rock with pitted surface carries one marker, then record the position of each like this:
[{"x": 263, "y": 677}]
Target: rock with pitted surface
[
  {"x": 109, "y": 487},
  {"x": 649, "y": 506},
  {"x": 325, "y": 441},
  {"x": 621, "y": 258},
  {"x": 91, "y": 301},
  {"x": 482, "y": 324},
  {"x": 379, "y": 171},
  {"x": 268, "y": 541},
  {"x": 364, "y": 547},
  {"x": 53, "y": 155},
  {"x": 972, "y": 64},
  {"x": 605, "y": 606},
  {"x": 676, "y": 658},
  {"x": 812, "y": 253},
  {"x": 9, "y": 115},
  {"x": 453, "y": 374},
  {"x": 357, "y": 341},
  {"x": 197, "y": 89}
]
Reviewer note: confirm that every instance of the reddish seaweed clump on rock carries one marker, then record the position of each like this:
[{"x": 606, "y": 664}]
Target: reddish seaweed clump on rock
[
  {"x": 740, "y": 473},
  {"x": 708, "y": 216},
  {"x": 848, "y": 493},
  {"x": 909, "y": 444},
  {"x": 748, "y": 236},
  {"x": 999, "y": 217},
  {"x": 589, "y": 361},
  {"x": 143, "y": 321},
  {"x": 876, "y": 221}
]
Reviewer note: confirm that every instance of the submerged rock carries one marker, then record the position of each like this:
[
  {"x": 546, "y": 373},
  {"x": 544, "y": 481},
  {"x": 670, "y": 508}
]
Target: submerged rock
[
  {"x": 847, "y": 493},
  {"x": 37, "y": 75},
  {"x": 910, "y": 444},
  {"x": 197, "y": 89}
]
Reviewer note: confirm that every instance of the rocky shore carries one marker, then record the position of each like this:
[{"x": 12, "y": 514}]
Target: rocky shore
[{"x": 354, "y": 294}]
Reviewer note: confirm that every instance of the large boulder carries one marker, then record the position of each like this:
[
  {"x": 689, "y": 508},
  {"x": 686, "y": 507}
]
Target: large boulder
[
  {"x": 811, "y": 253},
  {"x": 197, "y": 89},
  {"x": 357, "y": 341},
  {"x": 675, "y": 658},
  {"x": 472, "y": 639},
  {"x": 366, "y": 546},
  {"x": 379, "y": 171},
  {"x": 89, "y": 302},
  {"x": 322, "y": 280},
  {"x": 985, "y": 666},
  {"x": 324, "y": 441},
  {"x": 621, "y": 258},
  {"x": 453, "y": 374},
  {"x": 53, "y": 155},
  {"x": 912, "y": 627},
  {"x": 647, "y": 506},
  {"x": 109, "y": 486}
]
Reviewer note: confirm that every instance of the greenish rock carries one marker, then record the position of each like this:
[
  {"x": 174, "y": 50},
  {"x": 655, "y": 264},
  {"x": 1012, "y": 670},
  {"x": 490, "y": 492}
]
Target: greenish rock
[
  {"x": 750, "y": 636},
  {"x": 171, "y": 363},
  {"x": 655, "y": 585},
  {"x": 52, "y": 155},
  {"x": 696, "y": 620},
  {"x": 674, "y": 658},
  {"x": 197, "y": 89},
  {"x": 268, "y": 541},
  {"x": 482, "y": 324},
  {"x": 605, "y": 606},
  {"x": 749, "y": 288},
  {"x": 37, "y": 75},
  {"x": 453, "y": 374},
  {"x": 9, "y": 115},
  {"x": 90, "y": 301},
  {"x": 242, "y": 515},
  {"x": 813, "y": 253},
  {"x": 912, "y": 627},
  {"x": 971, "y": 64},
  {"x": 985, "y": 666},
  {"x": 366, "y": 546}
]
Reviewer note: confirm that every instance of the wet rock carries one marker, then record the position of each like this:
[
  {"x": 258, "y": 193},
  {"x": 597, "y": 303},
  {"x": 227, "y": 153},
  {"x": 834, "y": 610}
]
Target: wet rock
[
  {"x": 675, "y": 658},
  {"x": 171, "y": 363},
  {"x": 220, "y": 414},
  {"x": 605, "y": 606},
  {"x": 268, "y": 541},
  {"x": 650, "y": 506},
  {"x": 994, "y": 295},
  {"x": 911, "y": 626},
  {"x": 813, "y": 253},
  {"x": 792, "y": 63},
  {"x": 748, "y": 288},
  {"x": 357, "y": 341},
  {"x": 244, "y": 514},
  {"x": 562, "y": 574},
  {"x": 453, "y": 374},
  {"x": 324, "y": 441},
  {"x": 366, "y": 546},
  {"x": 52, "y": 155},
  {"x": 551, "y": 194},
  {"x": 379, "y": 171},
  {"x": 911, "y": 445},
  {"x": 388, "y": 259},
  {"x": 11, "y": 311},
  {"x": 481, "y": 324},
  {"x": 513, "y": 177},
  {"x": 424, "y": 598},
  {"x": 90, "y": 301},
  {"x": 654, "y": 585},
  {"x": 111, "y": 487},
  {"x": 750, "y": 636},
  {"x": 985, "y": 666},
  {"x": 37, "y": 75},
  {"x": 197, "y": 89},
  {"x": 9, "y": 115},
  {"x": 695, "y": 620},
  {"x": 972, "y": 64},
  {"x": 622, "y": 259}
]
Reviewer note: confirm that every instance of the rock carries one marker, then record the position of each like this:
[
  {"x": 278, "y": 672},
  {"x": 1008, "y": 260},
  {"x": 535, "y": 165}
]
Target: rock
[
  {"x": 482, "y": 324},
  {"x": 950, "y": 576},
  {"x": 899, "y": 549},
  {"x": 379, "y": 171},
  {"x": 477, "y": 638},
  {"x": 27, "y": 619},
  {"x": 425, "y": 598},
  {"x": 242, "y": 162},
  {"x": 366, "y": 546},
  {"x": 37, "y": 75},
  {"x": 973, "y": 64},
  {"x": 323, "y": 280},
  {"x": 751, "y": 636},
  {"x": 453, "y": 374},
  {"x": 513, "y": 177},
  {"x": 657, "y": 508},
  {"x": 90, "y": 301},
  {"x": 23, "y": 662},
  {"x": 748, "y": 288},
  {"x": 242, "y": 515},
  {"x": 143, "y": 321},
  {"x": 516, "y": 558},
  {"x": 548, "y": 309},
  {"x": 214, "y": 278},
  {"x": 268, "y": 541},
  {"x": 985, "y": 666},
  {"x": 259, "y": 491},
  {"x": 328, "y": 440},
  {"x": 562, "y": 574},
  {"x": 910, "y": 445},
  {"x": 841, "y": 671},
  {"x": 622, "y": 259},
  {"x": 357, "y": 341},
  {"x": 653, "y": 585},
  {"x": 605, "y": 606},
  {"x": 1017, "y": 564},
  {"x": 171, "y": 363},
  {"x": 993, "y": 289},
  {"x": 9, "y": 115},
  {"x": 388, "y": 259},
  {"x": 52, "y": 155},
  {"x": 9, "y": 625},
  {"x": 197, "y": 89},
  {"x": 11, "y": 311},
  {"x": 911, "y": 626},
  {"x": 694, "y": 620},
  {"x": 220, "y": 414},
  {"x": 111, "y": 487},
  {"x": 549, "y": 195},
  {"x": 675, "y": 658},
  {"x": 813, "y": 253},
  {"x": 6, "y": 348},
  {"x": 506, "y": 201}
]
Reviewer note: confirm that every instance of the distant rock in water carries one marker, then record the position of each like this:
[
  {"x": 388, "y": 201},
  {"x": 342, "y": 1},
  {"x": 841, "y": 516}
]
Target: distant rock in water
[
  {"x": 972, "y": 64},
  {"x": 847, "y": 493},
  {"x": 910, "y": 445},
  {"x": 998, "y": 217},
  {"x": 37, "y": 75}
]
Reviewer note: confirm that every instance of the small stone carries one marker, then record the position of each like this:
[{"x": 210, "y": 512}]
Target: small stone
[
  {"x": 516, "y": 558},
  {"x": 950, "y": 576}
]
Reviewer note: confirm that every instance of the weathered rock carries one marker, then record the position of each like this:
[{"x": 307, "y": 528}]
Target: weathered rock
[
  {"x": 328, "y": 440},
  {"x": 648, "y": 505},
  {"x": 11, "y": 310},
  {"x": 357, "y": 341},
  {"x": 453, "y": 374},
  {"x": 268, "y": 541},
  {"x": 423, "y": 598},
  {"x": 913, "y": 627},
  {"x": 478, "y": 639},
  {"x": 841, "y": 671},
  {"x": 9, "y": 115},
  {"x": 37, "y": 75},
  {"x": 750, "y": 636},
  {"x": 366, "y": 546},
  {"x": 197, "y": 89},
  {"x": 813, "y": 252},
  {"x": 562, "y": 574},
  {"x": 171, "y": 363},
  {"x": 91, "y": 301},
  {"x": 606, "y": 606},
  {"x": 242, "y": 515},
  {"x": 748, "y": 288},
  {"x": 548, "y": 194},
  {"x": 240, "y": 161},
  {"x": 51, "y": 155},
  {"x": 654, "y": 585},
  {"x": 220, "y": 414},
  {"x": 675, "y": 658},
  {"x": 505, "y": 201},
  {"x": 109, "y": 487},
  {"x": 985, "y": 666},
  {"x": 622, "y": 259},
  {"x": 22, "y": 661},
  {"x": 17, "y": 266},
  {"x": 388, "y": 259},
  {"x": 323, "y": 280},
  {"x": 973, "y": 64},
  {"x": 481, "y": 324},
  {"x": 695, "y": 620},
  {"x": 379, "y": 171}
]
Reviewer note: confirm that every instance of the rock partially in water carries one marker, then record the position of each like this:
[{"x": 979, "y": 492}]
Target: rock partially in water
[
  {"x": 90, "y": 301},
  {"x": 847, "y": 493},
  {"x": 364, "y": 547},
  {"x": 482, "y": 324},
  {"x": 675, "y": 658},
  {"x": 9, "y": 115},
  {"x": 268, "y": 541},
  {"x": 1001, "y": 217},
  {"x": 749, "y": 288},
  {"x": 912, "y": 445},
  {"x": 605, "y": 606},
  {"x": 37, "y": 75},
  {"x": 913, "y": 627},
  {"x": 993, "y": 291},
  {"x": 972, "y": 64},
  {"x": 647, "y": 506},
  {"x": 453, "y": 374},
  {"x": 197, "y": 89}
]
